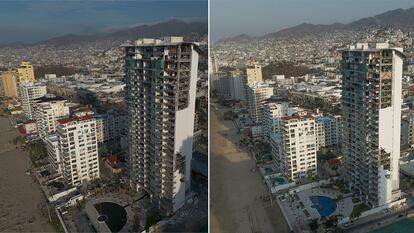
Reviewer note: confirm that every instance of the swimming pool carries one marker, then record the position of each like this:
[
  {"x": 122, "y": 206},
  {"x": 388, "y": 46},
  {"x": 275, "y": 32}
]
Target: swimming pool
[
  {"x": 324, "y": 205},
  {"x": 112, "y": 214},
  {"x": 279, "y": 180}
]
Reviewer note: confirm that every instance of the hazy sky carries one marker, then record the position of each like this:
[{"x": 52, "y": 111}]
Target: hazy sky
[
  {"x": 34, "y": 20},
  {"x": 258, "y": 17}
]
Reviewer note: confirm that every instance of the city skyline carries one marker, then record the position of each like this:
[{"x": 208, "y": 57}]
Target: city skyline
[{"x": 207, "y": 116}]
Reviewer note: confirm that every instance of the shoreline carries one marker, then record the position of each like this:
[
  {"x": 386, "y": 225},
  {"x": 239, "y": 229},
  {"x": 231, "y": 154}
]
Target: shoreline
[{"x": 21, "y": 198}]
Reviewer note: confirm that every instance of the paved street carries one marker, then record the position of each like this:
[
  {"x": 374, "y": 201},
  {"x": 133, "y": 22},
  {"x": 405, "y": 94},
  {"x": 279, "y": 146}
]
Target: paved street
[{"x": 376, "y": 221}]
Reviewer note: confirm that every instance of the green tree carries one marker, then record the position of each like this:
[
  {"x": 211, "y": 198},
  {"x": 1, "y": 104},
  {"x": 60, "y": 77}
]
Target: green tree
[{"x": 314, "y": 225}]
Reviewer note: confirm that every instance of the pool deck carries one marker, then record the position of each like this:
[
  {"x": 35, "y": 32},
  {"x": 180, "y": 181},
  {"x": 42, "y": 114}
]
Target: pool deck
[
  {"x": 296, "y": 213},
  {"x": 93, "y": 214},
  {"x": 343, "y": 206}
]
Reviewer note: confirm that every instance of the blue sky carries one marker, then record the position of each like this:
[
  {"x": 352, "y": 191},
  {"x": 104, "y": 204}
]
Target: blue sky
[
  {"x": 258, "y": 17},
  {"x": 35, "y": 20}
]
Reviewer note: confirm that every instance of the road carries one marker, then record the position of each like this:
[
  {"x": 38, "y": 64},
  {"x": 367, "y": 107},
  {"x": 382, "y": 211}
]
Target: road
[
  {"x": 237, "y": 191},
  {"x": 371, "y": 222}
]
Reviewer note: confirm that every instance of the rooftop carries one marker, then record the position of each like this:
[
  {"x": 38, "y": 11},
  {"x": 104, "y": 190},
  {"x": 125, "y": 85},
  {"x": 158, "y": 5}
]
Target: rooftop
[
  {"x": 298, "y": 116},
  {"x": 372, "y": 47},
  {"x": 323, "y": 120},
  {"x": 72, "y": 119},
  {"x": 49, "y": 98}
]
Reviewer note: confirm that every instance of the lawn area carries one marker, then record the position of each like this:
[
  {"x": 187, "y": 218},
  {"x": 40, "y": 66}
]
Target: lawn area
[
  {"x": 152, "y": 218},
  {"x": 358, "y": 209}
]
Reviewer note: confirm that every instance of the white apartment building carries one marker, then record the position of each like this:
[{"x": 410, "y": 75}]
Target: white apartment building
[
  {"x": 371, "y": 117},
  {"x": 53, "y": 151},
  {"x": 253, "y": 73},
  {"x": 30, "y": 91},
  {"x": 273, "y": 109},
  {"x": 231, "y": 86},
  {"x": 100, "y": 129},
  {"x": 328, "y": 131},
  {"x": 114, "y": 125},
  {"x": 78, "y": 148},
  {"x": 237, "y": 88},
  {"x": 294, "y": 146},
  {"x": 407, "y": 129},
  {"x": 48, "y": 110},
  {"x": 255, "y": 95},
  {"x": 110, "y": 126},
  {"x": 161, "y": 79}
]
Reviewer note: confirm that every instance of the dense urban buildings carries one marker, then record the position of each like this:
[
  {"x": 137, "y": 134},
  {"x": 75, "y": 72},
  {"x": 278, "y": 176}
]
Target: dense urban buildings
[
  {"x": 371, "y": 118},
  {"x": 161, "y": 78}
]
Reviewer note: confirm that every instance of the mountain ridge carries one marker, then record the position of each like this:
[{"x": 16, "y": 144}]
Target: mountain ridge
[
  {"x": 401, "y": 18},
  {"x": 166, "y": 28}
]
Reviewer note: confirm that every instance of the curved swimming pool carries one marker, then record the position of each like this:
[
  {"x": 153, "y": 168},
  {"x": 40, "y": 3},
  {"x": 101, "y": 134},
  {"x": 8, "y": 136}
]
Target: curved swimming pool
[
  {"x": 324, "y": 205},
  {"x": 114, "y": 215}
]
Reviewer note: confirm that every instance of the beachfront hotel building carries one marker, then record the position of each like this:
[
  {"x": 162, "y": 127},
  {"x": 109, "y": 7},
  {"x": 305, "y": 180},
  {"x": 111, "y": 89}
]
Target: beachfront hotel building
[
  {"x": 294, "y": 146},
  {"x": 256, "y": 93},
  {"x": 371, "y": 117},
  {"x": 29, "y": 92},
  {"x": 78, "y": 148},
  {"x": 48, "y": 110},
  {"x": 161, "y": 78}
]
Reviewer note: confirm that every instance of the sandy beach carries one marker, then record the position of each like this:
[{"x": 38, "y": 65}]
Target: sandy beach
[
  {"x": 20, "y": 197},
  {"x": 236, "y": 190}
]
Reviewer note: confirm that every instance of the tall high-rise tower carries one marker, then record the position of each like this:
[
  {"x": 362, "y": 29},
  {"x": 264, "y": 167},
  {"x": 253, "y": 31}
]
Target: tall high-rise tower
[
  {"x": 48, "y": 109},
  {"x": 161, "y": 77},
  {"x": 29, "y": 92},
  {"x": 371, "y": 111},
  {"x": 25, "y": 72},
  {"x": 256, "y": 94}
]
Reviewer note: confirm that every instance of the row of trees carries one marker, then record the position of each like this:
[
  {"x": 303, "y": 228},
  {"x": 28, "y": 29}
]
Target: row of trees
[{"x": 327, "y": 223}]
